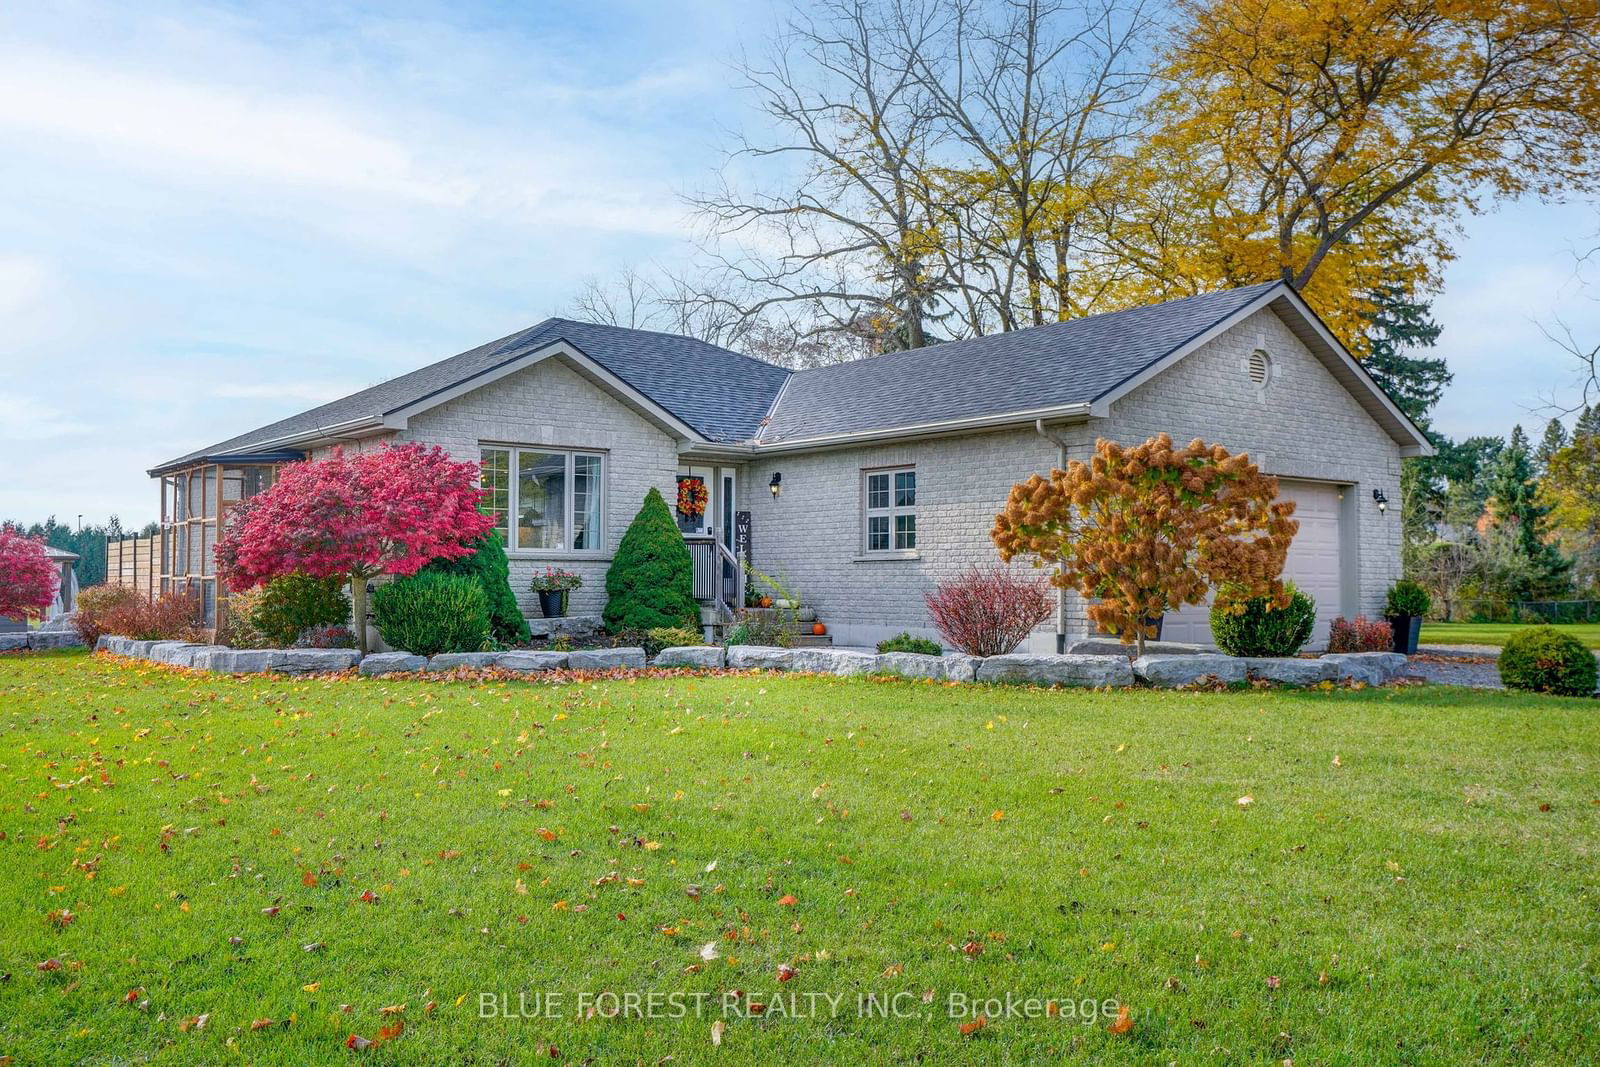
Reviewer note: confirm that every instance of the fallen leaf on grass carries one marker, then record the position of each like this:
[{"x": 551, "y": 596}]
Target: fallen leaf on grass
[
  {"x": 717, "y": 1029},
  {"x": 968, "y": 1029},
  {"x": 1245, "y": 801},
  {"x": 195, "y": 1022},
  {"x": 785, "y": 972},
  {"x": 1123, "y": 1022},
  {"x": 787, "y": 901},
  {"x": 260, "y": 1024}
]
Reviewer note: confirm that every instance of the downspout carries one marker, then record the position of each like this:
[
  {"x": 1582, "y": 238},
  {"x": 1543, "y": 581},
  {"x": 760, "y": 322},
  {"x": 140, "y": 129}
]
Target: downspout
[{"x": 1061, "y": 594}]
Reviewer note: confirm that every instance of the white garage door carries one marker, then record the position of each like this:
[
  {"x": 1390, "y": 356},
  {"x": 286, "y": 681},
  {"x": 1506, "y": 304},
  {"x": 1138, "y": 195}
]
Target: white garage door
[{"x": 1313, "y": 563}]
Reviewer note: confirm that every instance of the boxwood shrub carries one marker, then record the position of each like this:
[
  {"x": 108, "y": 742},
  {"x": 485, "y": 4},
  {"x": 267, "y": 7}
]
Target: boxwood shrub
[
  {"x": 1260, "y": 629},
  {"x": 904, "y": 642},
  {"x": 1545, "y": 660},
  {"x": 429, "y": 613},
  {"x": 670, "y": 637},
  {"x": 488, "y": 566}
]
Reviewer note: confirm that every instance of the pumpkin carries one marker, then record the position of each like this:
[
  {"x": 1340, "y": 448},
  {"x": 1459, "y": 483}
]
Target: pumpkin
[{"x": 818, "y": 629}]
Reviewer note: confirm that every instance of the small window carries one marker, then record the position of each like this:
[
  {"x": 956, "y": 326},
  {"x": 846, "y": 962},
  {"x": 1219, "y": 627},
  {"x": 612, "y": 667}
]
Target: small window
[{"x": 891, "y": 517}]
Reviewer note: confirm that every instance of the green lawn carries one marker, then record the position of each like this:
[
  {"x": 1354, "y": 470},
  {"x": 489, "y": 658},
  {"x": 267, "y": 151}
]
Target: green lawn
[
  {"x": 1497, "y": 633},
  {"x": 1414, "y": 881}
]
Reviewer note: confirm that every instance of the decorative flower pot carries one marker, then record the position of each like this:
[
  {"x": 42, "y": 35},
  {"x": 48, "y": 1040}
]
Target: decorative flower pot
[
  {"x": 553, "y": 603},
  {"x": 1407, "y": 631}
]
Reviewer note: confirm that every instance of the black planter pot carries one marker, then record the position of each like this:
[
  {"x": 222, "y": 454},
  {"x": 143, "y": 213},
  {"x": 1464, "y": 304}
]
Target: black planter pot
[
  {"x": 1407, "y": 630},
  {"x": 553, "y": 603}
]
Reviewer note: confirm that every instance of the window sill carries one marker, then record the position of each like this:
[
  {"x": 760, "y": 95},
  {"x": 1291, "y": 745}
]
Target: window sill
[
  {"x": 554, "y": 556},
  {"x": 902, "y": 556}
]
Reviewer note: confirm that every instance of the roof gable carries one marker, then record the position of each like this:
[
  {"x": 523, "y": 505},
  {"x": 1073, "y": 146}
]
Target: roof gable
[{"x": 718, "y": 394}]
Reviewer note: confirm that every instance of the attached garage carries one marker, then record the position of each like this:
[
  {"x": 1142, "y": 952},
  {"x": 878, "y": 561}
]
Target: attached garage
[{"x": 1316, "y": 563}]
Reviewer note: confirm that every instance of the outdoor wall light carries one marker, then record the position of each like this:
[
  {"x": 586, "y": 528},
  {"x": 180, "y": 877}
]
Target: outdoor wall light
[
  {"x": 776, "y": 485},
  {"x": 1383, "y": 501}
]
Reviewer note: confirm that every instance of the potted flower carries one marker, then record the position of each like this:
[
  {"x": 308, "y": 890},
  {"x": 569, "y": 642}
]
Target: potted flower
[
  {"x": 553, "y": 586},
  {"x": 1407, "y": 603}
]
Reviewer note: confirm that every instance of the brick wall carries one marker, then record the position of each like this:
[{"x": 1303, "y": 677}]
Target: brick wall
[
  {"x": 553, "y": 405},
  {"x": 813, "y": 532},
  {"x": 1304, "y": 424}
]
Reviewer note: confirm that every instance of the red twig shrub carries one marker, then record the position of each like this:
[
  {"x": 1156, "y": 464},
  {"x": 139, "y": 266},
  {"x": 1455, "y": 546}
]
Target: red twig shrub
[
  {"x": 121, "y": 611},
  {"x": 101, "y": 607},
  {"x": 1360, "y": 634},
  {"x": 988, "y": 611},
  {"x": 28, "y": 577}
]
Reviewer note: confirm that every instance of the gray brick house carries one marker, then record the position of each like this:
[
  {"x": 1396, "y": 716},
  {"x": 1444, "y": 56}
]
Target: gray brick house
[{"x": 865, "y": 483}]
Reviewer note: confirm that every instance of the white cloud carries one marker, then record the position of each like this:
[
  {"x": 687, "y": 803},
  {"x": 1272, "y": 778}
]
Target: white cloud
[{"x": 28, "y": 419}]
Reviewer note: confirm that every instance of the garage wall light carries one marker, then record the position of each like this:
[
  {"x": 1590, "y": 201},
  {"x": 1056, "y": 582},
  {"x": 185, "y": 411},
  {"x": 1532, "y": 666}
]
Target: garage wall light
[
  {"x": 776, "y": 485},
  {"x": 1383, "y": 501}
]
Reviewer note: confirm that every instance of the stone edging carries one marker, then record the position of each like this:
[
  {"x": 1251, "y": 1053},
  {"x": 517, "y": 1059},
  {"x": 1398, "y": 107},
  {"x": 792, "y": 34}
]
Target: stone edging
[
  {"x": 1164, "y": 671},
  {"x": 39, "y": 640}
]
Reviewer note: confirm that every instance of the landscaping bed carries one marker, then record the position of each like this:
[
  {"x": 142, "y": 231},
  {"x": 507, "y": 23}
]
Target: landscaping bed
[
  {"x": 259, "y": 868},
  {"x": 1168, "y": 671}
]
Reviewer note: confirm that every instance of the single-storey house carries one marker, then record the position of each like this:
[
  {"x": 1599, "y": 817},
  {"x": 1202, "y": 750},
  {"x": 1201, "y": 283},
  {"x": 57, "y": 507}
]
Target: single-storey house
[{"x": 861, "y": 484}]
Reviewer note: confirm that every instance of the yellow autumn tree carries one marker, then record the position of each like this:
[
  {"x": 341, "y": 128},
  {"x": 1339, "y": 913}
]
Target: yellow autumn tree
[
  {"x": 1146, "y": 529},
  {"x": 1334, "y": 143}
]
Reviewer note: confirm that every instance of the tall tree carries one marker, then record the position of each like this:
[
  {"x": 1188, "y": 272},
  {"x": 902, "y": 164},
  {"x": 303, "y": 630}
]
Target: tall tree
[
  {"x": 1570, "y": 495},
  {"x": 850, "y": 233},
  {"x": 1553, "y": 441},
  {"x": 1040, "y": 96},
  {"x": 1332, "y": 145},
  {"x": 1399, "y": 324},
  {"x": 1513, "y": 505}
]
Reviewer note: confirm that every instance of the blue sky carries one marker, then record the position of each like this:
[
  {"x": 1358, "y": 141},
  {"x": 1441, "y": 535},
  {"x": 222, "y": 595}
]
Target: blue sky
[{"x": 212, "y": 216}]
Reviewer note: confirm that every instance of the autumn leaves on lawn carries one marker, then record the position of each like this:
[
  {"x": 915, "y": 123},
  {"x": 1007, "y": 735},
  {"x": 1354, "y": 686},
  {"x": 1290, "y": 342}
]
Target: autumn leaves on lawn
[{"x": 1143, "y": 530}]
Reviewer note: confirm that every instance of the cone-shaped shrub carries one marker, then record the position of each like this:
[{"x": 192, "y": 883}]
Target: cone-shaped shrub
[
  {"x": 651, "y": 580},
  {"x": 488, "y": 566}
]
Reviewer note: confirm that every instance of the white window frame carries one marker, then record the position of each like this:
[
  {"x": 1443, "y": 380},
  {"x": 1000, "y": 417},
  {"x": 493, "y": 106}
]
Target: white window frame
[
  {"x": 894, "y": 510},
  {"x": 513, "y": 485}
]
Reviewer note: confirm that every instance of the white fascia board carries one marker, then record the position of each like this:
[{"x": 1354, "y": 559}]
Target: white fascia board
[{"x": 925, "y": 429}]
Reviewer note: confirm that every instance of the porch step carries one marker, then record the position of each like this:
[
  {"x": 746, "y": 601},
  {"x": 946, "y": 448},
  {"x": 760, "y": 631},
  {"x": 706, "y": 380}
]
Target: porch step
[{"x": 813, "y": 640}]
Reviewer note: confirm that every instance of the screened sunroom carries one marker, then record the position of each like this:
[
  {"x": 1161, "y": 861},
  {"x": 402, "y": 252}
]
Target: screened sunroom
[{"x": 196, "y": 501}]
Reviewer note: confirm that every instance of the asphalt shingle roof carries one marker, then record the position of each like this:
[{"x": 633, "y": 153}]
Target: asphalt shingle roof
[
  {"x": 726, "y": 396},
  {"x": 1024, "y": 370},
  {"x": 721, "y": 394}
]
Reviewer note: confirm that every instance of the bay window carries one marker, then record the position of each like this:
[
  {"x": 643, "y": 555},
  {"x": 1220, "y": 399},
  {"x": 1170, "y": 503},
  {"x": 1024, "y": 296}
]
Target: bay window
[{"x": 544, "y": 499}]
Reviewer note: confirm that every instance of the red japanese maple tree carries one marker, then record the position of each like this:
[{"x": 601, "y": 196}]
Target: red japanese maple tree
[
  {"x": 28, "y": 577},
  {"x": 388, "y": 511}
]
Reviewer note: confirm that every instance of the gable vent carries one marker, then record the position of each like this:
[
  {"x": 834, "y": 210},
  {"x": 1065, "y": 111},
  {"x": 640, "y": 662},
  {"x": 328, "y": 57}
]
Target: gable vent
[{"x": 1260, "y": 368}]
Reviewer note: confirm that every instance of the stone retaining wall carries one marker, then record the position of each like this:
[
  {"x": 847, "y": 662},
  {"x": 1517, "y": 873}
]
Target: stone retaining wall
[
  {"x": 39, "y": 640},
  {"x": 1163, "y": 671}
]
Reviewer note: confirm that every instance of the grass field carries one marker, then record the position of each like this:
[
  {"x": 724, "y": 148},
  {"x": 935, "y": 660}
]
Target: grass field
[
  {"x": 1496, "y": 633},
  {"x": 1413, "y": 881}
]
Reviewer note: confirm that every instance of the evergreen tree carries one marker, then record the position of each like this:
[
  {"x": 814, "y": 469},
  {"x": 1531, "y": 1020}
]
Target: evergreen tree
[
  {"x": 651, "y": 580},
  {"x": 1588, "y": 424},
  {"x": 1512, "y": 497},
  {"x": 1397, "y": 325},
  {"x": 1553, "y": 441}
]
